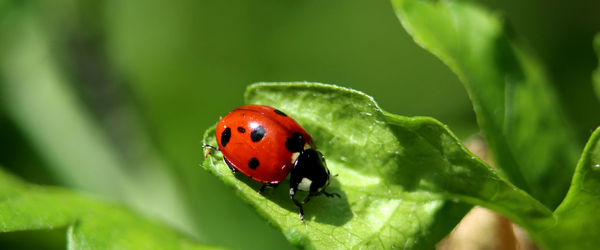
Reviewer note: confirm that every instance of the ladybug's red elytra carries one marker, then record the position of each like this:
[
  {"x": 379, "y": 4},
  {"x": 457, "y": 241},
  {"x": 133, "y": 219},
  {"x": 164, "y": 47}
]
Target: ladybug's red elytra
[{"x": 265, "y": 144}]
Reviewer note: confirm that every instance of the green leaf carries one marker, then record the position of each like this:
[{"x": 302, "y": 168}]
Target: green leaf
[
  {"x": 91, "y": 224},
  {"x": 596, "y": 75},
  {"x": 510, "y": 92},
  {"x": 578, "y": 222},
  {"x": 400, "y": 178},
  {"x": 40, "y": 97}
]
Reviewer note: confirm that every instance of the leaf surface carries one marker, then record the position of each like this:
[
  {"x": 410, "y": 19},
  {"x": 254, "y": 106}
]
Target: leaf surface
[
  {"x": 578, "y": 222},
  {"x": 511, "y": 94},
  {"x": 91, "y": 224},
  {"x": 400, "y": 178}
]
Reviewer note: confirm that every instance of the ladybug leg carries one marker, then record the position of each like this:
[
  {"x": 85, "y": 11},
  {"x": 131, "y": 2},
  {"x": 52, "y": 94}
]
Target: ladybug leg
[
  {"x": 272, "y": 184},
  {"x": 233, "y": 170},
  {"x": 332, "y": 194},
  {"x": 262, "y": 189},
  {"x": 298, "y": 204},
  {"x": 307, "y": 198}
]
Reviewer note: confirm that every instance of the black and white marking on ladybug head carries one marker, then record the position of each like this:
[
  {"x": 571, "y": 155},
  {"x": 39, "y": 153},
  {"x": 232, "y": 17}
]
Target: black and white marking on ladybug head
[
  {"x": 295, "y": 157},
  {"x": 309, "y": 172},
  {"x": 296, "y": 154},
  {"x": 305, "y": 184},
  {"x": 225, "y": 136}
]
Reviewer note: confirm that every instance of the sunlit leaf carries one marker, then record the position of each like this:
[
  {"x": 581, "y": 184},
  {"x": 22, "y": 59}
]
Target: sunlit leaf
[{"x": 400, "y": 178}]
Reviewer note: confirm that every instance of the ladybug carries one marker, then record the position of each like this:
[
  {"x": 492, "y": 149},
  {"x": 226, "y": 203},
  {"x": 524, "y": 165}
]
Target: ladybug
[{"x": 265, "y": 144}]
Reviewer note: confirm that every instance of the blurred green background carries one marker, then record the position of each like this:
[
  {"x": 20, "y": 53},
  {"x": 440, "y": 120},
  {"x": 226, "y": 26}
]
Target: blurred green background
[{"x": 112, "y": 97}]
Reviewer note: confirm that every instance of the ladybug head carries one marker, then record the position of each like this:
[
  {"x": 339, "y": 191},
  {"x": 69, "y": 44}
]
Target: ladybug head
[{"x": 310, "y": 172}]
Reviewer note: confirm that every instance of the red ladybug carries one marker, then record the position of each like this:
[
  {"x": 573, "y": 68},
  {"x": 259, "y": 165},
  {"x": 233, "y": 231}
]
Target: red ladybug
[{"x": 265, "y": 144}]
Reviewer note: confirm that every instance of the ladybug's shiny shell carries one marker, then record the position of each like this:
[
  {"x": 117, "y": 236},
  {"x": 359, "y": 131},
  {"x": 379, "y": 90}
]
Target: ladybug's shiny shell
[{"x": 261, "y": 142}]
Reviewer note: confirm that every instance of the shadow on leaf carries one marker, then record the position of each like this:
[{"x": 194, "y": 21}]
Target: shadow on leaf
[{"x": 321, "y": 209}]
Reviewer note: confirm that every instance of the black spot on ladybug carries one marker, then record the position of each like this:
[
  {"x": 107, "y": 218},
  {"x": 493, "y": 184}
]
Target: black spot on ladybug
[
  {"x": 295, "y": 143},
  {"x": 225, "y": 136},
  {"x": 279, "y": 112},
  {"x": 253, "y": 163},
  {"x": 241, "y": 130},
  {"x": 257, "y": 133}
]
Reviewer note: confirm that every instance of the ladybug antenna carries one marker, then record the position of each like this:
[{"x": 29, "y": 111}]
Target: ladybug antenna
[{"x": 208, "y": 149}]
